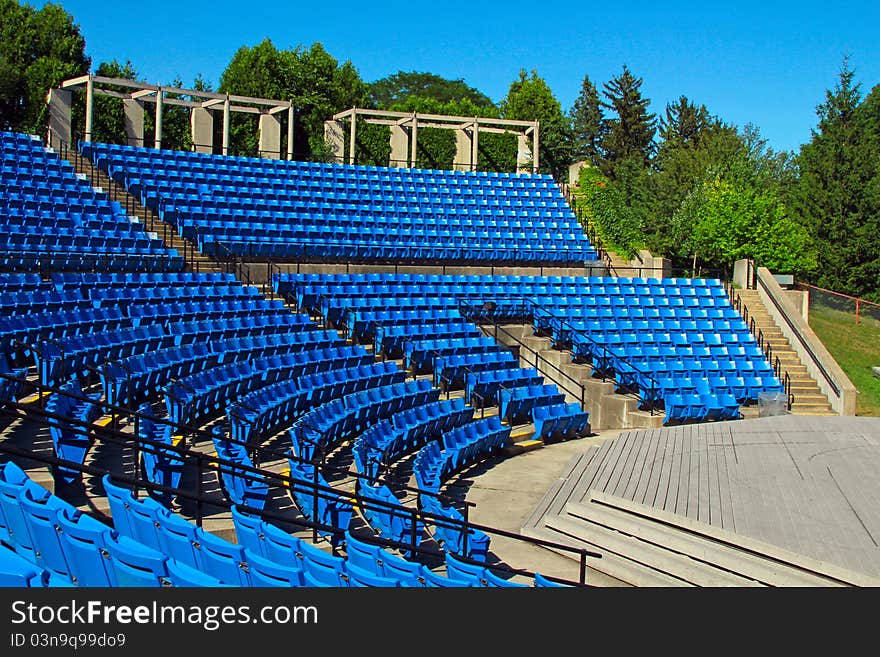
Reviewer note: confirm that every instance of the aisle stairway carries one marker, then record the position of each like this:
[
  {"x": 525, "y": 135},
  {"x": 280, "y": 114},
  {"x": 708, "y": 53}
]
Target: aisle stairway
[
  {"x": 195, "y": 261},
  {"x": 808, "y": 398}
]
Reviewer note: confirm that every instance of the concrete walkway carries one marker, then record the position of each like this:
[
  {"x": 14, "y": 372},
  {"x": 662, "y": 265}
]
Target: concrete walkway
[{"x": 506, "y": 491}]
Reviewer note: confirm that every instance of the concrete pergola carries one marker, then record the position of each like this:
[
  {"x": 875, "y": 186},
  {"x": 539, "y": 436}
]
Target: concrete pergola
[
  {"x": 203, "y": 105},
  {"x": 405, "y": 130}
]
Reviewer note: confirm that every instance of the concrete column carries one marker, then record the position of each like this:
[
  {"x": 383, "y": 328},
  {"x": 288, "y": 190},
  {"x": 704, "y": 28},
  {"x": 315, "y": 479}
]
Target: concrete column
[
  {"x": 475, "y": 143},
  {"x": 574, "y": 172},
  {"x": 523, "y": 154},
  {"x": 741, "y": 273},
  {"x": 414, "y": 149},
  {"x": 333, "y": 137},
  {"x": 159, "y": 104},
  {"x": 464, "y": 151},
  {"x": 270, "y": 136},
  {"x": 60, "y": 102},
  {"x": 535, "y": 150},
  {"x": 201, "y": 123},
  {"x": 134, "y": 122},
  {"x": 399, "y": 146},
  {"x": 226, "y": 126},
  {"x": 352, "y": 137},
  {"x": 290, "y": 126},
  {"x": 90, "y": 109}
]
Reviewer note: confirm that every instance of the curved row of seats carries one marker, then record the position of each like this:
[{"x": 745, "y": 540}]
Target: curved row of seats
[{"x": 260, "y": 215}]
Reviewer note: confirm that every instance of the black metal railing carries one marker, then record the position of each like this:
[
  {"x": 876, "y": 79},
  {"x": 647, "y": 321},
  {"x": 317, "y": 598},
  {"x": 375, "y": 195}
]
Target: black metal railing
[
  {"x": 206, "y": 462},
  {"x": 806, "y": 345},
  {"x": 763, "y": 343}
]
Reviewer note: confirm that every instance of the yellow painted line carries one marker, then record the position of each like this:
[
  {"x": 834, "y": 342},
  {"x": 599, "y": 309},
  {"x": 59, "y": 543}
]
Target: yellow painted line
[
  {"x": 176, "y": 440},
  {"x": 104, "y": 421},
  {"x": 35, "y": 397}
]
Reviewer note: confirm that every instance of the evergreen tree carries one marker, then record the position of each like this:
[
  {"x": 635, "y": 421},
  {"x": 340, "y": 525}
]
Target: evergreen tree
[
  {"x": 684, "y": 124},
  {"x": 836, "y": 196},
  {"x": 631, "y": 127},
  {"x": 587, "y": 124}
]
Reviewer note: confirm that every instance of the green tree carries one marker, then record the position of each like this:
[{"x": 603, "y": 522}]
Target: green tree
[
  {"x": 38, "y": 50},
  {"x": 630, "y": 127},
  {"x": 588, "y": 125},
  {"x": 311, "y": 78},
  {"x": 837, "y": 193},
  {"x": 531, "y": 99},
  {"x": 398, "y": 88},
  {"x": 604, "y": 205},
  {"x": 724, "y": 221}
]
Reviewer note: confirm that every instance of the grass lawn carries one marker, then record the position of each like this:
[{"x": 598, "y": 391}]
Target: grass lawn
[{"x": 856, "y": 349}]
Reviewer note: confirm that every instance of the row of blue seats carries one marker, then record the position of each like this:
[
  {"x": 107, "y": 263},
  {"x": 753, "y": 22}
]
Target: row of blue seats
[
  {"x": 656, "y": 387},
  {"x": 92, "y": 259},
  {"x": 193, "y": 399},
  {"x": 419, "y": 355},
  {"x": 561, "y": 421},
  {"x": 66, "y": 547},
  {"x": 161, "y": 465},
  {"x": 450, "y": 371},
  {"x": 362, "y": 325},
  {"x": 57, "y": 360},
  {"x": 296, "y": 278},
  {"x": 515, "y": 405},
  {"x": 388, "y": 517},
  {"x": 66, "y": 280},
  {"x": 492, "y": 289},
  {"x": 288, "y": 229},
  {"x": 60, "y": 360},
  {"x": 332, "y": 422},
  {"x": 390, "y": 338},
  {"x": 519, "y": 251},
  {"x": 69, "y": 430},
  {"x": 162, "y": 549},
  {"x": 144, "y": 376},
  {"x": 449, "y": 532},
  {"x": 462, "y": 447},
  {"x": 242, "y": 486},
  {"x": 211, "y": 162},
  {"x": 274, "y": 407},
  {"x": 330, "y": 509},
  {"x": 265, "y": 410},
  {"x": 218, "y": 562},
  {"x": 481, "y": 387},
  {"x": 387, "y": 440},
  {"x": 700, "y": 407},
  {"x": 31, "y": 328}
]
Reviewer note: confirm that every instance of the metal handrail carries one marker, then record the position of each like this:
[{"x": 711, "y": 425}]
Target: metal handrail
[
  {"x": 235, "y": 467},
  {"x": 834, "y": 386}
]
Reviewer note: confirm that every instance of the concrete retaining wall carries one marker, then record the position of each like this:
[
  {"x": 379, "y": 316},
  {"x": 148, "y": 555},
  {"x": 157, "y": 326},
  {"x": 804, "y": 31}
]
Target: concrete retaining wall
[{"x": 790, "y": 319}]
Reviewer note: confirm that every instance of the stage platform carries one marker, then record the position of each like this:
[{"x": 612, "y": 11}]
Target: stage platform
[{"x": 777, "y": 501}]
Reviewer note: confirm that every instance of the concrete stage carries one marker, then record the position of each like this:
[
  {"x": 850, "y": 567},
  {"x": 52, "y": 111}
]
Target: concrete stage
[{"x": 778, "y": 501}]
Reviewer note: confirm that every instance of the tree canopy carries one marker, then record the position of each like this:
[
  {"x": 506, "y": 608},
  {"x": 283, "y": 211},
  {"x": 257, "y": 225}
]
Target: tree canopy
[
  {"x": 38, "y": 50},
  {"x": 397, "y": 88}
]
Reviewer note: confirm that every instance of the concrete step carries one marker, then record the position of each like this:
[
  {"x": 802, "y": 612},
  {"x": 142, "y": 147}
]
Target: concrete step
[{"x": 709, "y": 562}]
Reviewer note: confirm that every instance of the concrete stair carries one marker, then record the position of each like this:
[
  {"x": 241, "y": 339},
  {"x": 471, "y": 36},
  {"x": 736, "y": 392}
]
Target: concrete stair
[
  {"x": 195, "y": 261},
  {"x": 808, "y": 398},
  {"x": 642, "y": 546}
]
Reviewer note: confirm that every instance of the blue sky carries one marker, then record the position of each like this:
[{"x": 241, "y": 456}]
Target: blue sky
[{"x": 766, "y": 63}]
